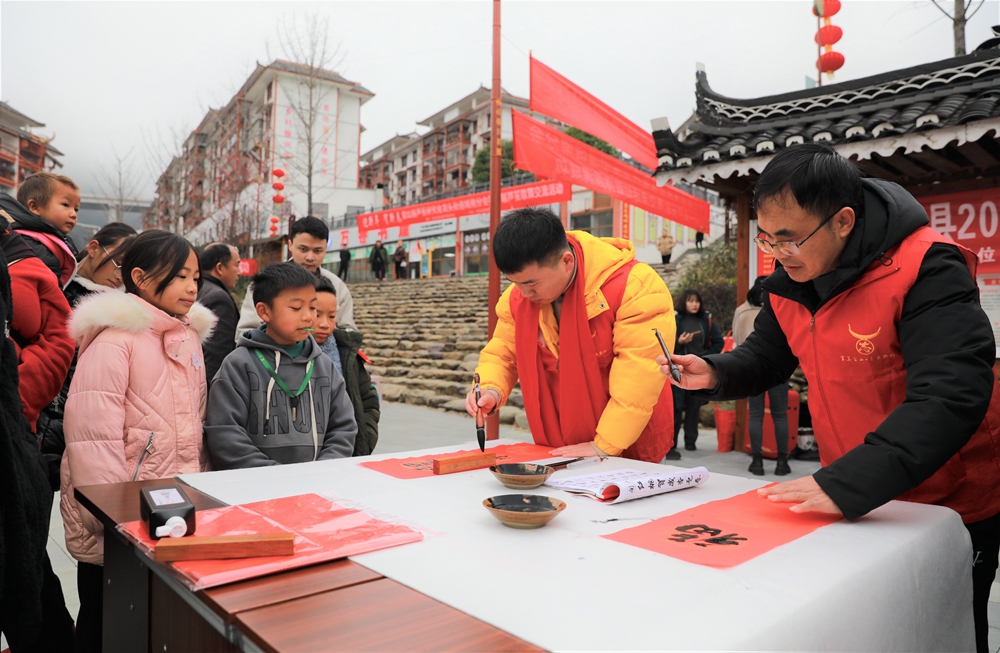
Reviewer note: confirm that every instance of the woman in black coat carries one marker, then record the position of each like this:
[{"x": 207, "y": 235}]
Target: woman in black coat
[{"x": 697, "y": 334}]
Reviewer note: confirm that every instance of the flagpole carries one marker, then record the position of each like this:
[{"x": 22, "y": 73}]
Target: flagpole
[{"x": 496, "y": 152}]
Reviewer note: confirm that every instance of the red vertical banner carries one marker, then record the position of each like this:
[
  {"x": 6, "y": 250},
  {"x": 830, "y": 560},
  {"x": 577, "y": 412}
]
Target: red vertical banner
[
  {"x": 554, "y": 96},
  {"x": 549, "y": 153},
  {"x": 765, "y": 263},
  {"x": 626, "y": 221}
]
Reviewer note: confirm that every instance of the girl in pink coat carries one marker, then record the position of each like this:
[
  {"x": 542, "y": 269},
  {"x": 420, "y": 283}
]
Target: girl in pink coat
[{"x": 136, "y": 404}]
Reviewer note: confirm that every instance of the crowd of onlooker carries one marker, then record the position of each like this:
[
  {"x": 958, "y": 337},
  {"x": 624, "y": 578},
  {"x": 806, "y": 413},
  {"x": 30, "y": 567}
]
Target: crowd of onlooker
[{"x": 128, "y": 360}]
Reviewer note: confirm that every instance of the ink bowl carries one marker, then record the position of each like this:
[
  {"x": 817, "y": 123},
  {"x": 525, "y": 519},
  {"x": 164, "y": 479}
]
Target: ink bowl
[
  {"x": 522, "y": 476},
  {"x": 524, "y": 510}
]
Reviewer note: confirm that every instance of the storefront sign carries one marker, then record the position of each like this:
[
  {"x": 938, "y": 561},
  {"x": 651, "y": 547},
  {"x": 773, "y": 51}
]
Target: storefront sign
[
  {"x": 970, "y": 219},
  {"x": 433, "y": 228},
  {"x": 512, "y": 197}
]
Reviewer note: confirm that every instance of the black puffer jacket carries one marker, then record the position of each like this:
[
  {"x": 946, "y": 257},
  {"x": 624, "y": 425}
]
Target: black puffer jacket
[
  {"x": 22, "y": 218},
  {"x": 25, "y": 496},
  {"x": 216, "y": 297},
  {"x": 360, "y": 389},
  {"x": 947, "y": 346},
  {"x": 49, "y": 427}
]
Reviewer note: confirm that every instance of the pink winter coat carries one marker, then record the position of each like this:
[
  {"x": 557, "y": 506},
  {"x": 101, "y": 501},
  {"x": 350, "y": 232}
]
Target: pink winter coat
[{"x": 136, "y": 404}]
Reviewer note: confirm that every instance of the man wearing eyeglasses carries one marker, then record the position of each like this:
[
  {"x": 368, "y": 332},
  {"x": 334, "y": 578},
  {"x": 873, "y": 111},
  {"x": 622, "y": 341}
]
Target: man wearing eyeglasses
[{"x": 883, "y": 315}]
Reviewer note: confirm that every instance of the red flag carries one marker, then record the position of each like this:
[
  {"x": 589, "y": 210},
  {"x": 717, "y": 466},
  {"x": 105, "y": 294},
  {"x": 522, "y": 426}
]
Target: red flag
[
  {"x": 549, "y": 153},
  {"x": 555, "y": 96}
]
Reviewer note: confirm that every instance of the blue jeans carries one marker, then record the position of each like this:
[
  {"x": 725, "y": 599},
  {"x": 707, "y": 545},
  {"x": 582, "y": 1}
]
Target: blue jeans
[{"x": 779, "y": 415}]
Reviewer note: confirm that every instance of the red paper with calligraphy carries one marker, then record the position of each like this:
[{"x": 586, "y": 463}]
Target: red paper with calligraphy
[
  {"x": 970, "y": 219},
  {"x": 512, "y": 197},
  {"x": 323, "y": 531},
  {"x": 724, "y": 533},
  {"x": 548, "y": 152},
  {"x": 555, "y": 96},
  {"x": 422, "y": 467}
]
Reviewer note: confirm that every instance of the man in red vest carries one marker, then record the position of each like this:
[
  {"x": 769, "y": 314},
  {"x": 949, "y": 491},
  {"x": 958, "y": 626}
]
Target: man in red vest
[
  {"x": 576, "y": 328},
  {"x": 883, "y": 315}
]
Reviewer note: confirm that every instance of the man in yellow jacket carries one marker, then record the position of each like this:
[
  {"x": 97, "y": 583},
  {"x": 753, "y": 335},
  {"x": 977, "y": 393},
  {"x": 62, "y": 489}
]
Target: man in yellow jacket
[{"x": 576, "y": 328}]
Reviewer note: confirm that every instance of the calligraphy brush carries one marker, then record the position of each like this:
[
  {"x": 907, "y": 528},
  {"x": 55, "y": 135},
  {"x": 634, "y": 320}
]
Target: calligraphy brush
[
  {"x": 480, "y": 421},
  {"x": 674, "y": 372}
]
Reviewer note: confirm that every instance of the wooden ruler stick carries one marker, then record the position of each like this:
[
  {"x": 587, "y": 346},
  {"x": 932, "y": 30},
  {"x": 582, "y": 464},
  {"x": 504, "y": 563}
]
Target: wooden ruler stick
[
  {"x": 225, "y": 546},
  {"x": 463, "y": 462}
]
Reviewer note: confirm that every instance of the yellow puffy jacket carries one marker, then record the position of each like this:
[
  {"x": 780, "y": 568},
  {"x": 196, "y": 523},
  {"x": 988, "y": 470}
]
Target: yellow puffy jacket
[{"x": 635, "y": 380}]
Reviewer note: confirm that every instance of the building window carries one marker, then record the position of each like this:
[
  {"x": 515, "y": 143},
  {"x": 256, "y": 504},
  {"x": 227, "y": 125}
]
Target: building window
[
  {"x": 476, "y": 252},
  {"x": 597, "y": 223}
]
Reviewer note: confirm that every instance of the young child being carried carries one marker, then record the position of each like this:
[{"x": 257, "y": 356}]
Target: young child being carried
[
  {"x": 52, "y": 202},
  {"x": 277, "y": 399}
]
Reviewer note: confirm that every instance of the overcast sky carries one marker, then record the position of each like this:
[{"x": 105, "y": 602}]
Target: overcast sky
[{"x": 107, "y": 76}]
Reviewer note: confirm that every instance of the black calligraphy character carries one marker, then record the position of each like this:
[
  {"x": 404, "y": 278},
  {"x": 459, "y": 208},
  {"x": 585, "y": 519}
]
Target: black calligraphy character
[
  {"x": 641, "y": 486},
  {"x": 660, "y": 482},
  {"x": 670, "y": 482},
  {"x": 730, "y": 540},
  {"x": 682, "y": 537},
  {"x": 700, "y": 529}
]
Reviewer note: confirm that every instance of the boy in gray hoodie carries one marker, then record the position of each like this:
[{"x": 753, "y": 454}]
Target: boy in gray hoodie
[{"x": 277, "y": 399}]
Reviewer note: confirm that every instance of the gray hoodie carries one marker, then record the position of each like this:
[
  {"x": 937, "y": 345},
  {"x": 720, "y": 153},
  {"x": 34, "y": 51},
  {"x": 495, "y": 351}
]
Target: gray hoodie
[{"x": 249, "y": 416}]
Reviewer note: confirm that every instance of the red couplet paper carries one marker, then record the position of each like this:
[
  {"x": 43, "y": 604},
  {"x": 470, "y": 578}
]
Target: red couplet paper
[
  {"x": 323, "y": 531},
  {"x": 555, "y": 96},
  {"x": 422, "y": 466},
  {"x": 548, "y": 152},
  {"x": 724, "y": 533}
]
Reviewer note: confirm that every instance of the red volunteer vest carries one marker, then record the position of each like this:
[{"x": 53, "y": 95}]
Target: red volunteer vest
[
  {"x": 850, "y": 354},
  {"x": 564, "y": 398}
]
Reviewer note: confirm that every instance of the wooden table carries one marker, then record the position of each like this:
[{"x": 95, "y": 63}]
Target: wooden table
[{"x": 338, "y": 605}]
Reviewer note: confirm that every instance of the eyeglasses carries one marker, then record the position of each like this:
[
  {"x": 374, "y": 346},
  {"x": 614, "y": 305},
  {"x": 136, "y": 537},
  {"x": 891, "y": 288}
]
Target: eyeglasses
[
  {"x": 790, "y": 247},
  {"x": 118, "y": 268}
]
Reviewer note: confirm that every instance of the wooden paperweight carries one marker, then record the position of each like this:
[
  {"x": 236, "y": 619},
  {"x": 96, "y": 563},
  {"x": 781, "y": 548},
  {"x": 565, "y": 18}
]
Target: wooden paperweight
[
  {"x": 463, "y": 462},
  {"x": 225, "y": 546}
]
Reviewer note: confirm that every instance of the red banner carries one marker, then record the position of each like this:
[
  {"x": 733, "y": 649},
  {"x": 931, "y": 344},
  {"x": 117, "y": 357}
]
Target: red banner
[
  {"x": 248, "y": 267},
  {"x": 548, "y": 152},
  {"x": 555, "y": 96},
  {"x": 512, "y": 197},
  {"x": 971, "y": 220}
]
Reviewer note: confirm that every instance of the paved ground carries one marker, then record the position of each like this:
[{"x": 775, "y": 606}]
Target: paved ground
[{"x": 405, "y": 428}]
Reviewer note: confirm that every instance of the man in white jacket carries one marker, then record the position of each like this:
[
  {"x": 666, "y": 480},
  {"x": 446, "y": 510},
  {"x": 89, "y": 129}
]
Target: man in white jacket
[{"x": 309, "y": 236}]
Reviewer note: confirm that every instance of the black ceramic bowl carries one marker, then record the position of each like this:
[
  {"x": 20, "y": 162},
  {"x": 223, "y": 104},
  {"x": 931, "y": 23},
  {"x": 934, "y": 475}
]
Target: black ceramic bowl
[
  {"x": 522, "y": 476},
  {"x": 524, "y": 510}
]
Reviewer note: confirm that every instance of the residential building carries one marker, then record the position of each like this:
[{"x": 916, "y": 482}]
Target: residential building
[
  {"x": 220, "y": 184},
  {"x": 413, "y": 168},
  {"x": 21, "y": 151}
]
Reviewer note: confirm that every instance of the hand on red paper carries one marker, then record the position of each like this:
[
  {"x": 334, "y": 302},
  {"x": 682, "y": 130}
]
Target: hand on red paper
[
  {"x": 696, "y": 374},
  {"x": 487, "y": 402},
  {"x": 585, "y": 449},
  {"x": 804, "y": 492}
]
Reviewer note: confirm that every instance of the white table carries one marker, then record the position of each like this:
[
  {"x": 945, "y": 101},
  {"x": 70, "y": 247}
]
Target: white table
[{"x": 897, "y": 580}]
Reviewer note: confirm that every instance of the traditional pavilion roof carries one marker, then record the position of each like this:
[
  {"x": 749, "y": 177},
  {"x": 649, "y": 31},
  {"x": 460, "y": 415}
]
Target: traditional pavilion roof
[{"x": 930, "y": 111}]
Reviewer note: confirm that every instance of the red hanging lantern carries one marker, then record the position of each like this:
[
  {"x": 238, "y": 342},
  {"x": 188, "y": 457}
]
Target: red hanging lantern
[
  {"x": 825, "y": 8},
  {"x": 828, "y": 35},
  {"x": 278, "y": 199},
  {"x": 278, "y": 172},
  {"x": 278, "y": 186},
  {"x": 274, "y": 221},
  {"x": 829, "y": 62}
]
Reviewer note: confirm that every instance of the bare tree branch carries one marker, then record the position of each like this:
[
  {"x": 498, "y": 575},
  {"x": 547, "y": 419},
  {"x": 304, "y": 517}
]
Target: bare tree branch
[
  {"x": 119, "y": 182},
  {"x": 942, "y": 10},
  {"x": 969, "y": 17}
]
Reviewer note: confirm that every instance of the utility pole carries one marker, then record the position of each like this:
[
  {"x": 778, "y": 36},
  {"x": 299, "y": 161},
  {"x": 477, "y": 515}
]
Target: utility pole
[{"x": 496, "y": 151}]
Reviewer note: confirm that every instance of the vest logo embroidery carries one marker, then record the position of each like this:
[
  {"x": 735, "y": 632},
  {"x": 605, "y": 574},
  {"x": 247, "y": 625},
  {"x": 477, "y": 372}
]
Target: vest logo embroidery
[{"x": 864, "y": 344}]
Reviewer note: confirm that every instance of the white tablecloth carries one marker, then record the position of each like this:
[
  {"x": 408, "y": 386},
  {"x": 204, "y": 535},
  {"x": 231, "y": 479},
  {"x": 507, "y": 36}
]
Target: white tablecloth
[{"x": 897, "y": 580}]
